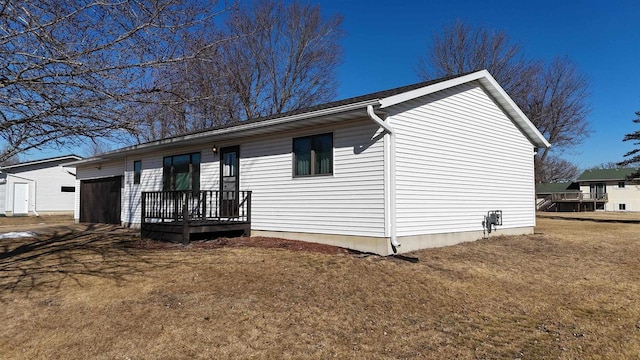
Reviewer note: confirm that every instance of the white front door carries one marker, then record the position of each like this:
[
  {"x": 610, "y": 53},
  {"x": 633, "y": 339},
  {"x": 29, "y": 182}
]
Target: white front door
[{"x": 20, "y": 199}]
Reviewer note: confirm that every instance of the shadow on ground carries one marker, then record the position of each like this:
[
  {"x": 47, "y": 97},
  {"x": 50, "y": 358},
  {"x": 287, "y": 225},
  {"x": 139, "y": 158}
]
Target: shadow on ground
[{"x": 69, "y": 253}]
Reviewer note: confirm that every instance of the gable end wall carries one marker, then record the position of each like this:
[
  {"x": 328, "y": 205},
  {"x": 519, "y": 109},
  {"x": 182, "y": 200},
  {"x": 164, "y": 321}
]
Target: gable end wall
[{"x": 458, "y": 156}]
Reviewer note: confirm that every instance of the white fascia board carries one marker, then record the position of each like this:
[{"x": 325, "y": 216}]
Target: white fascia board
[
  {"x": 42, "y": 161},
  {"x": 510, "y": 106},
  {"x": 187, "y": 139},
  {"x": 487, "y": 81},
  {"x": 430, "y": 89}
]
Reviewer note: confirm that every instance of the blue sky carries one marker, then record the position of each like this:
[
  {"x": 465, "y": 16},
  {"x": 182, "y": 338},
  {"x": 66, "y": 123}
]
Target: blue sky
[{"x": 384, "y": 39}]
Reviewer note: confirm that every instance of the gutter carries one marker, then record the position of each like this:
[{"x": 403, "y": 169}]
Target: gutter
[{"x": 389, "y": 178}]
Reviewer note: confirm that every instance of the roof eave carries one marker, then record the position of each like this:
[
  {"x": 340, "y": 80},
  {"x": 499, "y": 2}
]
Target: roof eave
[
  {"x": 194, "y": 138},
  {"x": 610, "y": 179},
  {"x": 41, "y": 161}
]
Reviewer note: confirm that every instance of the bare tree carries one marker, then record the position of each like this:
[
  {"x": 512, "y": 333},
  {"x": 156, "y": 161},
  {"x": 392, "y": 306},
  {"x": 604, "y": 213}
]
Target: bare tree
[
  {"x": 556, "y": 104},
  {"x": 74, "y": 70},
  {"x": 460, "y": 48},
  {"x": 605, "y": 165},
  {"x": 15, "y": 159},
  {"x": 96, "y": 147},
  {"x": 556, "y": 170},
  {"x": 553, "y": 96},
  {"x": 282, "y": 56}
]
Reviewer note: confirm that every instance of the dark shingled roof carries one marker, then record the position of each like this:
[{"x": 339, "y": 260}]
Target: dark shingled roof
[
  {"x": 606, "y": 174},
  {"x": 42, "y": 161},
  {"x": 548, "y": 188},
  {"x": 353, "y": 100}
]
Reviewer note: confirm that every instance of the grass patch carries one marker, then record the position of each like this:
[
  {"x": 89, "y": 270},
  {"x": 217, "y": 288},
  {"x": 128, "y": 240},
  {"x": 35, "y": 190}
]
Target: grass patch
[{"x": 572, "y": 290}]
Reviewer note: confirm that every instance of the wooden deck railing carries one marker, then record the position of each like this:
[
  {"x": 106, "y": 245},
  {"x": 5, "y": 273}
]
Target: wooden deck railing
[
  {"x": 204, "y": 205},
  {"x": 578, "y": 196}
]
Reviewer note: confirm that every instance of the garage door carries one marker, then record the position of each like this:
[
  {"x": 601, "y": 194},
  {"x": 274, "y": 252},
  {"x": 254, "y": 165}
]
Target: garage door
[{"x": 100, "y": 200}]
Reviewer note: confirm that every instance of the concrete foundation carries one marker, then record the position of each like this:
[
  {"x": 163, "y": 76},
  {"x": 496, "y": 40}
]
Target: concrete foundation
[
  {"x": 382, "y": 245},
  {"x": 417, "y": 242},
  {"x": 375, "y": 245}
]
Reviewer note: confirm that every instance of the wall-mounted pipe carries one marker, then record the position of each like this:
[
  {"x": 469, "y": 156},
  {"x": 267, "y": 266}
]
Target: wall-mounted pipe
[{"x": 389, "y": 176}]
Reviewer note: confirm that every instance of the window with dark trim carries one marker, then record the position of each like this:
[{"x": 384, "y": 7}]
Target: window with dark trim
[
  {"x": 622, "y": 206},
  {"x": 137, "y": 171},
  {"x": 68, "y": 189},
  {"x": 621, "y": 185},
  {"x": 181, "y": 172},
  {"x": 313, "y": 155}
]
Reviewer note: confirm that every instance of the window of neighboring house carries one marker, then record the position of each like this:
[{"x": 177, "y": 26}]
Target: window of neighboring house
[
  {"x": 181, "y": 172},
  {"x": 137, "y": 171},
  {"x": 313, "y": 155},
  {"x": 597, "y": 190},
  {"x": 68, "y": 189},
  {"x": 621, "y": 185},
  {"x": 622, "y": 206}
]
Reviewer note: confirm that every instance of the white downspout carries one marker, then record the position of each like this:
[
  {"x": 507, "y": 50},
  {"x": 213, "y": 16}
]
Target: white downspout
[{"x": 390, "y": 175}]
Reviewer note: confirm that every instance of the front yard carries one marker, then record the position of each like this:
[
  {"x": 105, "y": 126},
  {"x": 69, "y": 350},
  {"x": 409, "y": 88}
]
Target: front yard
[{"x": 570, "y": 291}]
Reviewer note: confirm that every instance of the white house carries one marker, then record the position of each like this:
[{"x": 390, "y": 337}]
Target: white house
[
  {"x": 38, "y": 187},
  {"x": 613, "y": 186},
  {"x": 398, "y": 170},
  {"x": 595, "y": 189}
]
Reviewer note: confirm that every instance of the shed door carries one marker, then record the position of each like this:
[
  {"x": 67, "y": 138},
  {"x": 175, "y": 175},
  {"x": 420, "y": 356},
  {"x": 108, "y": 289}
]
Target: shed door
[
  {"x": 21, "y": 199},
  {"x": 100, "y": 200}
]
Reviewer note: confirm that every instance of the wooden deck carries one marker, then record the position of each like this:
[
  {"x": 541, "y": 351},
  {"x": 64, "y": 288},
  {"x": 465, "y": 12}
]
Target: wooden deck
[
  {"x": 176, "y": 215},
  {"x": 572, "y": 201}
]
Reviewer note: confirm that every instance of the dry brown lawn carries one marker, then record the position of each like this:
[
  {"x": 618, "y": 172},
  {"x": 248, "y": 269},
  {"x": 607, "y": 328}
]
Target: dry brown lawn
[
  {"x": 630, "y": 216},
  {"x": 19, "y": 221},
  {"x": 571, "y": 291}
]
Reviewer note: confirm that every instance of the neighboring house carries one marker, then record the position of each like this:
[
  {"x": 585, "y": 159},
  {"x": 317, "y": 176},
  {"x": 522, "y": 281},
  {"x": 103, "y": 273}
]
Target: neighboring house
[
  {"x": 598, "y": 189},
  {"x": 38, "y": 187},
  {"x": 398, "y": 170}
]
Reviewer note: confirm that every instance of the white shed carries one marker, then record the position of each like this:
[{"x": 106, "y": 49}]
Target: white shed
[
  {"x": 38, "y": 187},
  {"x": 392, "y": 171}
]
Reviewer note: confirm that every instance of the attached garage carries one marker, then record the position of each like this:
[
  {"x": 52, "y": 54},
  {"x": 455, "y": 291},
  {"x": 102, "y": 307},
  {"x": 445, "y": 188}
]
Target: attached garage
[{"x": 100, "y": 200}]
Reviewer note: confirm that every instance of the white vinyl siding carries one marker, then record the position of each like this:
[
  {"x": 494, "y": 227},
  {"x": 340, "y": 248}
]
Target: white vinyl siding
[
  {"x": 458, "y": 156},
  {"x": 349, "y": 202},
  {"x": 45, "y": 181},
  {"x": 3, "y": 194}
]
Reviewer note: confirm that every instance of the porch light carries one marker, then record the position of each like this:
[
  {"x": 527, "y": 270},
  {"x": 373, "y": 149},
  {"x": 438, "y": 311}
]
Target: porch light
[{"x": 214, "y": 149}]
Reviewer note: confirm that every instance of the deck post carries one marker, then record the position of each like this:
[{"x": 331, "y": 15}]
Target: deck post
[
  {"x": 249, "y": 207},
  {"x": 204, "y": 205},
  {"x": 175, "y": 205},
  {"x": 185, "y": 218},
  {"x": 143, "y": 215}
]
